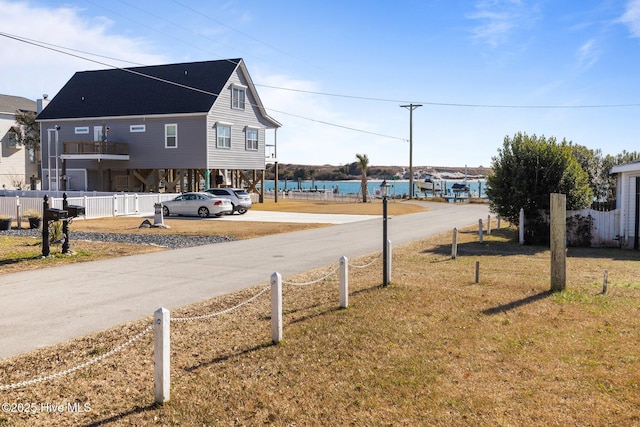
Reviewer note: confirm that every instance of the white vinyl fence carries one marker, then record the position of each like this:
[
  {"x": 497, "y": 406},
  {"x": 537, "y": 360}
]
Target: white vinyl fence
[
  {"x": 97, "y": 205},
  {"x": 605, "y": 228}
]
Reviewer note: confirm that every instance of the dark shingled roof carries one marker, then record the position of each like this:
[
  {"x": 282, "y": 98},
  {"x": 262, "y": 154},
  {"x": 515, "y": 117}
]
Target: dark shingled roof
[{"x": 127, "y": 92}]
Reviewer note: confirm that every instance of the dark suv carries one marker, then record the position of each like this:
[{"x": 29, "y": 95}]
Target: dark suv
[{"x": 240, "y": 199}]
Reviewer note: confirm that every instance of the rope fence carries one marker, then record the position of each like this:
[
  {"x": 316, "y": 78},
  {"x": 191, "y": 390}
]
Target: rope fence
[
  {"x": 77, "y": 368},
  {"x": 220, "y": 313},
  {"x": 313, "y": 282},
  {"x": 369, "y": 264},
  {"x": 162, "y": 320}
]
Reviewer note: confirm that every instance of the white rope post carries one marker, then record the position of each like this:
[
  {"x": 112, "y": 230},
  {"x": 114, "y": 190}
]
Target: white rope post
[
  {"x": 480, "y": 230},
  {"x": 161, "y": 355},
  {"x": 521, "y": 227},
  {"x": 344, "y": 282},
  {"x": 454, "y": 244},
  {"x": 389, "y": 263},
  {"x": 276, "y": 308}
]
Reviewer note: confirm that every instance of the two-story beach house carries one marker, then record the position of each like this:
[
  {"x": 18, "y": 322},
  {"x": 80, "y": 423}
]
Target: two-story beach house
[
  {"x": 177, "y": 127},
  {"x": 18, "y": 164}
]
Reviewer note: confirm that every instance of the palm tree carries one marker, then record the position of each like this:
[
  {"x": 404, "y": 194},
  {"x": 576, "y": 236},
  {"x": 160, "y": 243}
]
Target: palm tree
[{"x": 363, "y": 165}]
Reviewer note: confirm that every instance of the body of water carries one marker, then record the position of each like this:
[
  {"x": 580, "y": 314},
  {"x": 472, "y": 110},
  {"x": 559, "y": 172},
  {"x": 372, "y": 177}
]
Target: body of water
[{"x": 397, "y": 187}]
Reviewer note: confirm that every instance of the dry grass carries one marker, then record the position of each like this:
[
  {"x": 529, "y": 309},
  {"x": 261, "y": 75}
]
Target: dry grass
[
  {"x": 434, "y": 348},
  {"x": 24, "y": 253}
]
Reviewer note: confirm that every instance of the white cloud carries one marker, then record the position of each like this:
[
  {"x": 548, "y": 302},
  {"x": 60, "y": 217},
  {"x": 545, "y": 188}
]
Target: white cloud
[
  {"x": 499, "y": 20},
  {"x": 30, "y": 71},
  {"x": 588, "y": 54},
  {"x": 631, "y": 17}
]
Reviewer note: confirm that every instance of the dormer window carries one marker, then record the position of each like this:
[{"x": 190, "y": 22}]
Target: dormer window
[{"x": 238, "y": 96}]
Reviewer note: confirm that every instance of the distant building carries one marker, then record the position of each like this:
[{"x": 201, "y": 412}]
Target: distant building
[
  {"x": 628, "y": 201},
  {"x": 18, "y": 165},
  {"x": 176, "y": 127}
]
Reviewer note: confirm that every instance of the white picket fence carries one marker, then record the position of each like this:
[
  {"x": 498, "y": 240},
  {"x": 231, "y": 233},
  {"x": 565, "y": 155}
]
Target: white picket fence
[{"x": 97, "y": 205}]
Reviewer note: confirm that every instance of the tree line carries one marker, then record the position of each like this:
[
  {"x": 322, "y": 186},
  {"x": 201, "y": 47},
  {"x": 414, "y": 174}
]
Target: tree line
[{"x": 327, "y": 173}]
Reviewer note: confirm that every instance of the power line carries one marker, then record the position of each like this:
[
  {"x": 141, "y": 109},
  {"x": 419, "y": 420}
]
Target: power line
[
  {"x": 450, "y": 104},
  {"x": 43, "y": 44},
  {"x": 336, "y": 95},
  {"x": 329, "y": 94},
  {"x": 59, "y": 49}
]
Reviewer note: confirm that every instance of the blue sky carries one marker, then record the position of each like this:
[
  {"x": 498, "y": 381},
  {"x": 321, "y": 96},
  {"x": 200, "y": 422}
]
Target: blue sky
[{"x": 482, "y": 69}]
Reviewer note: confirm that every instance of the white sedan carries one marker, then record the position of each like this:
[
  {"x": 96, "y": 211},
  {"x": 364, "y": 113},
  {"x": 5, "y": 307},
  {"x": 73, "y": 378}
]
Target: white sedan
[{"x": 201, "y": 204}]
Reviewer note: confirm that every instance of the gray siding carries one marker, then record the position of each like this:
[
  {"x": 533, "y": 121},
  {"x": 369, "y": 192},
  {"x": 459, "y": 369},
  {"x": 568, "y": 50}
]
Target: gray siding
[
  {"x": 146, "y": 149},
  {"x": 237, "y": 157}
]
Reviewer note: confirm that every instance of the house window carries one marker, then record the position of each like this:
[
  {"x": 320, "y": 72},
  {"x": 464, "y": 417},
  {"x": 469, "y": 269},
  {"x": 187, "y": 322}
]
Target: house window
[
  {"x": 137, "y": 128},
  {"x": 237, "y": 97},
  {"x": 224, "y": 135},
  {"x": 82, "y": 130},
  {"x": 171, "y": 136},
  {"x": 252, "y": 139},
  {"x": 13, "y": 139}
]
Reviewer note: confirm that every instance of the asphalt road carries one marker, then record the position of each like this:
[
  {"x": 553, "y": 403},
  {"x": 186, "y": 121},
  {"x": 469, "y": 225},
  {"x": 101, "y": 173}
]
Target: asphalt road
[{"x": 49, "y": 306}]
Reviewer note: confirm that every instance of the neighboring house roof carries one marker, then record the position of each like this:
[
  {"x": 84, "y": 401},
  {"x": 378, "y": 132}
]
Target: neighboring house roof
[
  {"x": 10, "y": 104},
  {"x": 633, "y": 166},
  {"x": 131, "y": 92}
]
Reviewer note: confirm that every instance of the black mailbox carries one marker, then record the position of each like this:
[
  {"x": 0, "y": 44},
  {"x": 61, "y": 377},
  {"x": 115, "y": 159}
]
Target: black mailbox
[
  {"x": 53, "y": 214},
  {"x": 75, "y": 210}
]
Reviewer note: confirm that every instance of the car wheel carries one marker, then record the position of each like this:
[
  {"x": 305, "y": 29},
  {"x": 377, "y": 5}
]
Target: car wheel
[
  {"x": 165, "y": 211},
  {"x": 203, "y": 212},
  {"x": 242, "y": 211}
]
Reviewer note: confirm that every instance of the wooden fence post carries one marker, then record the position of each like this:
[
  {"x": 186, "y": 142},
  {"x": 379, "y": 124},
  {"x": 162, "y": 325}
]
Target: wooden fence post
[
  {"x": 344, "y": 282},
  {"x": 161, "y": 355},
  {"x": 488, "y": 224},
  {"x": 558, "y": 241},
  {"x": 276, "y": 308},
  {"x": 477, "y": 271},
  {"x": 454, "y": 244},
  {"x": 480, "y": 230}
]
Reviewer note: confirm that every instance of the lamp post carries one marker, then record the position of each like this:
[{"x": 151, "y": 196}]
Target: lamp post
[
  {"x": 384, "y": 191},
  {"x": 411, "y": 107}
]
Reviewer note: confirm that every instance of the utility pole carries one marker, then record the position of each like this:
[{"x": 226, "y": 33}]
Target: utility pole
[{"x": 411, "y": 107}]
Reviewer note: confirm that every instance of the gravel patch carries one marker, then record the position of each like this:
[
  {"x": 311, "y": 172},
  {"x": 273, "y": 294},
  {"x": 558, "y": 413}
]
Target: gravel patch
[{"x": 168, "y": 241}]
